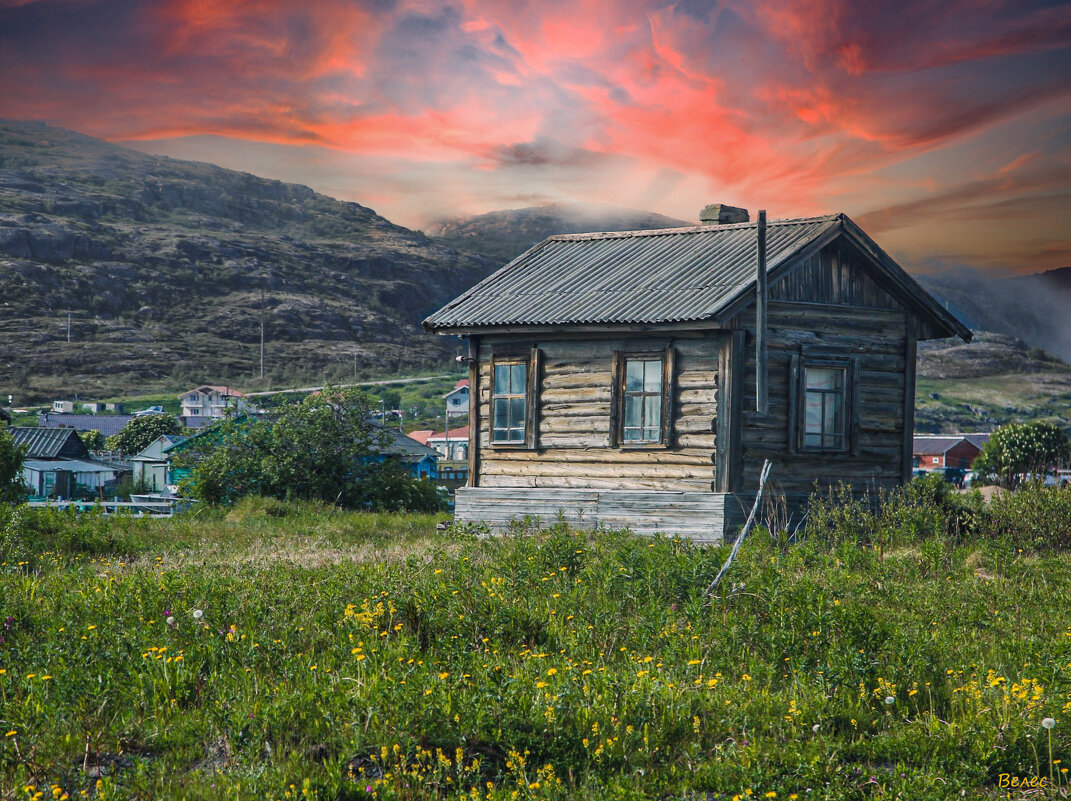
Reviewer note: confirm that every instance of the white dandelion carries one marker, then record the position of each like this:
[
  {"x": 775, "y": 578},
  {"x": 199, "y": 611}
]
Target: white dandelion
[{"x": 198, "y": 614}]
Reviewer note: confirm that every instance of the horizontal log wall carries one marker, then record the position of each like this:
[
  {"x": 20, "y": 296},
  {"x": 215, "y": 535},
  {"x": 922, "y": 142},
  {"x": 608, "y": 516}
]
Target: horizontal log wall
[
  {"x": 877, "y": 338},
  {"x": 574, "y": 418}
]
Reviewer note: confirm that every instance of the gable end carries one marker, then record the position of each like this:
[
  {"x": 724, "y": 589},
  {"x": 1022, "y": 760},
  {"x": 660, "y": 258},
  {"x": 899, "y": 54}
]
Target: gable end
[{"x": 835, "y": 275}]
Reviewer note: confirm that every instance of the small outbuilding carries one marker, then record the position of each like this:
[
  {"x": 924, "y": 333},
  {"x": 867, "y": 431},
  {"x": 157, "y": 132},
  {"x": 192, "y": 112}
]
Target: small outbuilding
[{"x": 639, "y": 379}]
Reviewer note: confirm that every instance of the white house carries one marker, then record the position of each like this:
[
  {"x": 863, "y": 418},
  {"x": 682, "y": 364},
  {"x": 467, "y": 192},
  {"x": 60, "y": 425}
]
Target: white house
[
  {"x": 211, "y": 401},
  {"x": 457, "y": 399},
  {"x": 151, "y": 465},
  {"x": 452, "y": 444}
]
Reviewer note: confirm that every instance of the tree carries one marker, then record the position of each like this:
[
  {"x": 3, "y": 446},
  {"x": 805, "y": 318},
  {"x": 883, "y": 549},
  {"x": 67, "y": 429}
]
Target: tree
[
  {"x": 11, "y": 457},
  {"x": 1018, "y": 449},
  {"x": 141, "y": 431},
  {"x": 321, "y": 448},
  {"x": 92, "y": 439}
]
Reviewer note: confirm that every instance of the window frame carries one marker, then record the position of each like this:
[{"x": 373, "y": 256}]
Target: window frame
[
  {"x": 667, "y": 359},
  {"x": 849, "y": 396},
  {"x": 532, "y": 363}
]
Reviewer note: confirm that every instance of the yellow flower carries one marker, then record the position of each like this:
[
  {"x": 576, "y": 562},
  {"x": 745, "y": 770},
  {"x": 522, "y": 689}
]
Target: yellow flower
[
  {"x": 552, "y": 671},
  {"x": 746, "y": 677},
  {"x": 11, "y": 733},
  {"x": 694, "y": 662}
]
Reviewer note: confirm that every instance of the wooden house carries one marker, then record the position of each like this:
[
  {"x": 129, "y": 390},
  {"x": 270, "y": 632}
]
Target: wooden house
[
  {"x": 58, "y": 465},
  {"x": 640, "y": 379},
  {"x": 938, "y": 453}
]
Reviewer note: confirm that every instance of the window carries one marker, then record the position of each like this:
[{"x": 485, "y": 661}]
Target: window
[
  {"x": 510, "y": 403},
  {"x": 824, "y": 408},
  {"x": 642, "y": 413}
]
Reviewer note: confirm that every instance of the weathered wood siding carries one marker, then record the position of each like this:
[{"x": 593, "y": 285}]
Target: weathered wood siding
[
  {"x": 574, "y": 418},
  {"x": 829, "y": 308},
  {"x": 702, "y": 516},
  {"x": 834, "y": 275}
]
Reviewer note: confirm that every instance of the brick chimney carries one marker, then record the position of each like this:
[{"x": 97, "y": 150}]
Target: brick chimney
[{"x": 720, "y": 214}]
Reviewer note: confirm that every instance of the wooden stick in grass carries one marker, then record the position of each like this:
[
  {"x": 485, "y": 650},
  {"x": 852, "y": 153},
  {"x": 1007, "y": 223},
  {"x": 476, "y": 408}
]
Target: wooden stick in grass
[{"x": 763, "y": 475}]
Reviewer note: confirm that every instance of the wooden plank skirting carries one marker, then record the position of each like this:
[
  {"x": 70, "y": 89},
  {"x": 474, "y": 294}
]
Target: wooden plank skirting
[{"x": 701, "y": 516}]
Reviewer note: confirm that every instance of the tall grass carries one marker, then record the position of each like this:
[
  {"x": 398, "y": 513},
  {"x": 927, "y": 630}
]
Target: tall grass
[{"x": 287, "y": 651}]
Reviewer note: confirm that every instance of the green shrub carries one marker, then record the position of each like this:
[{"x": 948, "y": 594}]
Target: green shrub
[{"x": 1034, "y": 518}]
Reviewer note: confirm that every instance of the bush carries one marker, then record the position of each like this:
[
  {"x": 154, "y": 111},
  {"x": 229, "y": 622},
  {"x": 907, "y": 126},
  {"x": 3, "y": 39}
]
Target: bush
[
  {"x": 389, "y": 488},
  {"x": 1034, "y": 518},
  {"x": 1020, "y": 449}
]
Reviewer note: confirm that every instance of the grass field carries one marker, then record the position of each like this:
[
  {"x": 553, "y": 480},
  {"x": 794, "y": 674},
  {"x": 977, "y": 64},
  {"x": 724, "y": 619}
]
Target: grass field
[{"x": 282, "y": 651}]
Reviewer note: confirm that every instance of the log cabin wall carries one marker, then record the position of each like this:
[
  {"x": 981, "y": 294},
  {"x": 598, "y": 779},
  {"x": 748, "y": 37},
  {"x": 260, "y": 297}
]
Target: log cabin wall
[
  {"x": 573, "y": 401},
  {"x": 829, "y": 308}
]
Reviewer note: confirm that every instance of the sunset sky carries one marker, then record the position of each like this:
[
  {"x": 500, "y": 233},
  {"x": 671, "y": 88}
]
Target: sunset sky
[{"x": 943, "y": 128}]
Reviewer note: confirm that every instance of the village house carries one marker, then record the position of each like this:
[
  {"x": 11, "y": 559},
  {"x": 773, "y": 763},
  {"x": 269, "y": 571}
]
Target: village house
[
  {"x": 58, "y": 465},
  {"x": 152, "y": 467},
  {"x": 945, "y": 452},
  {"x": 457, "y": 399},
  {"x": 640, "y": 379},
  {"x": 212, "y": 401}
]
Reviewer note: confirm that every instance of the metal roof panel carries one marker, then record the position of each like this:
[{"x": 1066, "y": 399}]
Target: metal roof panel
[{"x": 656, "y": 276}]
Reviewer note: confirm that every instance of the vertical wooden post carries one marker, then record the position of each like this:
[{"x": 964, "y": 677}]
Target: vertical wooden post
[
  {"x": 762, "y": 404},
  {"x": 910, "y": 348},
  {"x": 474, "y": 410}
]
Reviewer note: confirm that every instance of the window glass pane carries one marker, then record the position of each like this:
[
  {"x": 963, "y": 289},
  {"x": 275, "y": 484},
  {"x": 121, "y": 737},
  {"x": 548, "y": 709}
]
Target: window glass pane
[
  {"x": 813, "y": 440},
  {"x": 831, "y": 416},
  {"x": 516, "y": 412},
  {"x": 823, "y": 378},
  {"x": 633, "y": 409},
  {"x": 632, "y": 434},
  {"x": 652, "y": 434},
  {"x": 652, "y": 376},
  {"x": 501, "y": 379},
  {"x": 517, "y": 383},
  {"x": 813, "y": 413},
  {"x": 652, "y": 412},
  {"x": 633, "y": 375}
]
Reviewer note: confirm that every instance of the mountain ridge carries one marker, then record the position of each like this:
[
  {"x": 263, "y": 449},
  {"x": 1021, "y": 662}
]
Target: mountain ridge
[{"x": 164, "y": 265}]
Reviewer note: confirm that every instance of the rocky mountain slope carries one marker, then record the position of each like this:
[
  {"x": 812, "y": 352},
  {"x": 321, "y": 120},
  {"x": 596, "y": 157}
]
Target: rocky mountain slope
[
  {"x": 503, "y": 235},
  {"x": 162, "y": 266}
]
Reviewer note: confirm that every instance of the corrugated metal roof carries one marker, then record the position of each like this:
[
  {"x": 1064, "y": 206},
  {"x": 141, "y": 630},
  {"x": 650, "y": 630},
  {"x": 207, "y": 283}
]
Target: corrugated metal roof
[
  {"x": 398, "y": 444},
  {"x": 658, "y": 276},
  {"x": 74, "y": 465},
  {"x": 47, "y": 443}
]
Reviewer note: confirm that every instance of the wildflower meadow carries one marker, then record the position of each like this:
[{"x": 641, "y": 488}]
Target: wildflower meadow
[{"x": 289, "y": 651}]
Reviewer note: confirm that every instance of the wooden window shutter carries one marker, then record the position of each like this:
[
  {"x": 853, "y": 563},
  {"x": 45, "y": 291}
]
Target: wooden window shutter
[
  {"x": 617, "y": 377},
  {"x": 794, "y": 398},
  {"x": 535, "y": 377},
  {"x": 852, "y": 396},
  {"x": 669, "y": 377}
]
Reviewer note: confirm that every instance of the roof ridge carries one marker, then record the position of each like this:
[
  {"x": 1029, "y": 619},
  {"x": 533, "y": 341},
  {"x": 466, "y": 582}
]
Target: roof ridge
[{"x": 691, "y": 229}]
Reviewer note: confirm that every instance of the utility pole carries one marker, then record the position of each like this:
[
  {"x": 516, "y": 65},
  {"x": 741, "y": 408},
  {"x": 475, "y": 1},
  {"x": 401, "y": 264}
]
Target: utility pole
[
  {"x": 68, "y": 328},
  {"x": 262, "y": 329}
]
